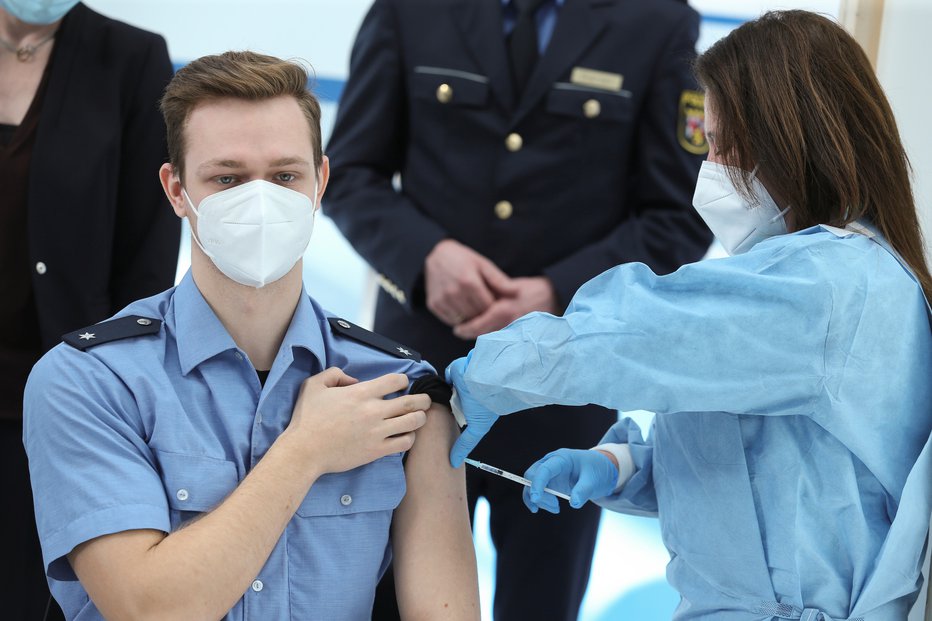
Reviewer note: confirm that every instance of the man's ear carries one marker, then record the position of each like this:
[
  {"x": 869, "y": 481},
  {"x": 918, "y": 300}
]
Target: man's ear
[
  {"x": 171, "y": 184},
  {"x": 324, "y": 179}
]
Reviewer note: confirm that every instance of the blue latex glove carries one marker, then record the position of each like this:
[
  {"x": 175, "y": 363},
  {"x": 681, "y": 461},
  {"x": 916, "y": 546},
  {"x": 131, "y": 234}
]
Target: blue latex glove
[
  {"x": 478, "y": 418},
  {"x": 582, "y": 474}
]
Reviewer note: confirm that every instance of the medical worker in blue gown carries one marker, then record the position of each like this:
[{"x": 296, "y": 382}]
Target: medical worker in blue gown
[{"x": 789, "y": 462}]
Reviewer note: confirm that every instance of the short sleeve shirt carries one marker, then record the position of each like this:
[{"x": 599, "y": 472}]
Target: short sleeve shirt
[{"x": 149, "y": 432}]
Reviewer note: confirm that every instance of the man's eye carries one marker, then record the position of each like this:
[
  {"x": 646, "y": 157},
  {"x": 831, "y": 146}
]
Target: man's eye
[
  {"x": 226, "y": 179},
  {"x": 286, "y": 177}
]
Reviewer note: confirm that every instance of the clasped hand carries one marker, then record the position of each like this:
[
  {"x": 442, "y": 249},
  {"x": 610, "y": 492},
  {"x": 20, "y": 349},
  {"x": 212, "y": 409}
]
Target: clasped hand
[
  {"x": 469, "y": 293},
  {"x": 340, "y": 423}
]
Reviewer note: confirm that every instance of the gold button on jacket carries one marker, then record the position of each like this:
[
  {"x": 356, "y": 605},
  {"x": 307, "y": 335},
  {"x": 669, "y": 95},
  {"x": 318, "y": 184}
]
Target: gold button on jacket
[
  {"x": 592, "y": 108},
  {"x": 504, "y": 209},
  {"x": 444, "y": 93}
]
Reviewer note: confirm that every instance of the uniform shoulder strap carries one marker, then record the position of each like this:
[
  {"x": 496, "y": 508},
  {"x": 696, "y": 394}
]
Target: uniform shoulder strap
[
  {"x": 113, "y": 330},
  {"x": 377, "y": 341}
]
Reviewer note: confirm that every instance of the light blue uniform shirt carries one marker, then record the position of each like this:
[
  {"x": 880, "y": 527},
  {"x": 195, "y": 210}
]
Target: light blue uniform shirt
[
  {"x": 789, "y": 461},
  {"x": 149, "y": 432}
]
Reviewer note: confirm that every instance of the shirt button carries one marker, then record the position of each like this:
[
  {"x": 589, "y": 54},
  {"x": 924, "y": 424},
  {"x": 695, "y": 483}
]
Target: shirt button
[
  {"x": 238, "y": 355},
  {"x": 257, "y": 586},
  {"x": 181, "y": 494},
  {"x": 592, "y": 108},
  {"x": 504, "y": 209},
  {"x": 258, "y": 418},
  {"x": 514, "y": 142},
  {"x": 444, "y": 93},
  {"x": 346, "y": 500},
  {"x": 40, "y": 268}
]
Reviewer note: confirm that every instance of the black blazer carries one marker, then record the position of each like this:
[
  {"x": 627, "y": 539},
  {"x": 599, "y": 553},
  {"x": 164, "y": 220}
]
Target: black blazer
[
  {"x": 603, "y": 175},
  {"x": 101, "y": 232}
]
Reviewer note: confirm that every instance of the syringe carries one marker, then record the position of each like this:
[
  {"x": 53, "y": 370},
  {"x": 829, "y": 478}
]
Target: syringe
[{"x": 512, "y": 477}]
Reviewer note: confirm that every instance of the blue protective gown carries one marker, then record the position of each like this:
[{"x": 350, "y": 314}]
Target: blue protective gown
[{"x": 789, "y": 461}]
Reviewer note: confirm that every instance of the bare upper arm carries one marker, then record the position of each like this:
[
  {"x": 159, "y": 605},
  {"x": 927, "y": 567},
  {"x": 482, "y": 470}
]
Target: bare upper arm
[
  {"x": 432, "y": 447},
  {"x": 433, "y": 485},
  {"x": 434, "y": 560}
]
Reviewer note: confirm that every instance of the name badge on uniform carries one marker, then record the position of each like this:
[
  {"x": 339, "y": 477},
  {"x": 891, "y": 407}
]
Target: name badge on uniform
[{"x": 593, "y": 78}]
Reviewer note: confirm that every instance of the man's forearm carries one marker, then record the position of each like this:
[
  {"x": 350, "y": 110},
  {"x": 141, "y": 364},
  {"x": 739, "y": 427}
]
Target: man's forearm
[{"x": 201, "y": 570}]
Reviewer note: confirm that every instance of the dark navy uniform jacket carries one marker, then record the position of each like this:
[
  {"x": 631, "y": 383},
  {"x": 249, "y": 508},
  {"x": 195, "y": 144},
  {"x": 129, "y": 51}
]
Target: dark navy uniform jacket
[{"x": 592, "y": 166}]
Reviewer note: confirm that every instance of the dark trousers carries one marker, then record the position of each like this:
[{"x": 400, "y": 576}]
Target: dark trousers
[
  {"x": 542, "y": 560},
  {"x": 23, "y": 587}
]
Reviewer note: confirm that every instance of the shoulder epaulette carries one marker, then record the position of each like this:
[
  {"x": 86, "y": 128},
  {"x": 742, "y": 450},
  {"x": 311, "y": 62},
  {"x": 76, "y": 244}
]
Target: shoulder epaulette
[
  {"x": 361, "y": 335},
  {"x": 113, "y": 330}
]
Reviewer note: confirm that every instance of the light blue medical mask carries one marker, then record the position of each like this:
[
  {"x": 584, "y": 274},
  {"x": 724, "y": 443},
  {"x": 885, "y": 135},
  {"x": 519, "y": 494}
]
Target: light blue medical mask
[
  {"x": 737, "y": 223},
  {"x": 39, "y": 12}
]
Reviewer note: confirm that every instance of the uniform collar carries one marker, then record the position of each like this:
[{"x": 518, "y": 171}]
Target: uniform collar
[
  {"x": 200, "y": 335},
  {"x": 304, "y": 332}
]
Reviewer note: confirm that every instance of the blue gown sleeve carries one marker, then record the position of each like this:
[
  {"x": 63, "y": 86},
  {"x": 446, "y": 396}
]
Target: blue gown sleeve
[
  {"x": 637, "y": 496},
  {"x": 742, "y": 335}
]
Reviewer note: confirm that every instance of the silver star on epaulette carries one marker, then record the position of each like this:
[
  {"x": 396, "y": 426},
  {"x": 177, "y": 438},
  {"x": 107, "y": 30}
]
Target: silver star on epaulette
[
  {"x": 86, "y": 336},
  {"x": 404, "y": 351}
]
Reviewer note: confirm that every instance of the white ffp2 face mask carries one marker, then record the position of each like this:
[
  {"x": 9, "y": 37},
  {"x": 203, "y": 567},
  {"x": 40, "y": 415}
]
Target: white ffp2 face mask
[
  {"x": 254, "y": 232},
  {"x": 735, "y": 222}
]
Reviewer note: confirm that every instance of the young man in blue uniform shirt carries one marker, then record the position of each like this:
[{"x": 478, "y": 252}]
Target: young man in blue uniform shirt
[{"x": 226, "y": 449}]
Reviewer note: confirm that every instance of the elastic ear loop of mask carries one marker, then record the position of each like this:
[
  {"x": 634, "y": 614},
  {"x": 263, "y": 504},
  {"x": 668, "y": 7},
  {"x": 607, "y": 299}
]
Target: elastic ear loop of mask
[
  {"x": 194, "y": 228},
  {"x": 771, "y": 220},
  {"x": 779, "y": 215}
]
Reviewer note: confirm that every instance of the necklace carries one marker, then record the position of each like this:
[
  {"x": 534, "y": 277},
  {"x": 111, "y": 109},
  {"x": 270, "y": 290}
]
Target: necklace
[{"x": 26, "y": 52}]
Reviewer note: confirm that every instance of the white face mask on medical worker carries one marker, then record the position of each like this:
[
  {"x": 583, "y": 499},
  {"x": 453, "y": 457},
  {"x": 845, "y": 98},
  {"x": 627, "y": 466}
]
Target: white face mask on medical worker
[
  {"x": 737, "y": 223},
  {"x": 38, "y": 11},
  {"x": 254, "y": 232}
]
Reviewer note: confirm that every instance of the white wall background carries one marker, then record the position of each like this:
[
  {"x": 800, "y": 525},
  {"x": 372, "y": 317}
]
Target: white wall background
[
  {"x": 628, "y": 570},
  {"x": 903, "y": 68}
]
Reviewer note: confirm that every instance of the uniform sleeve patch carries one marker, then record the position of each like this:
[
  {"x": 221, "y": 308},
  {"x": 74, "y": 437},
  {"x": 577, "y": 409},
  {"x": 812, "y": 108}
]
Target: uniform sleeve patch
[
  {"x": 113, "y": 330},
  {"x": 361, "y": 335},
  {"x": 690, "y": 129}
]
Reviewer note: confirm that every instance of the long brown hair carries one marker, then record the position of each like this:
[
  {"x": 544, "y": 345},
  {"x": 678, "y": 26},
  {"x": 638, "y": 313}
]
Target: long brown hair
[{"x": 795, "y": 95}]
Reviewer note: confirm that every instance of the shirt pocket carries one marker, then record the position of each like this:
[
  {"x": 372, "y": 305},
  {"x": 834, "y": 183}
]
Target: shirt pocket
[
  {"x": 449, "y": 87},
  {"x": 591, "y": 104},
  {"x": 194, "y": 484},
  {"x": 377, "y": 486}
]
